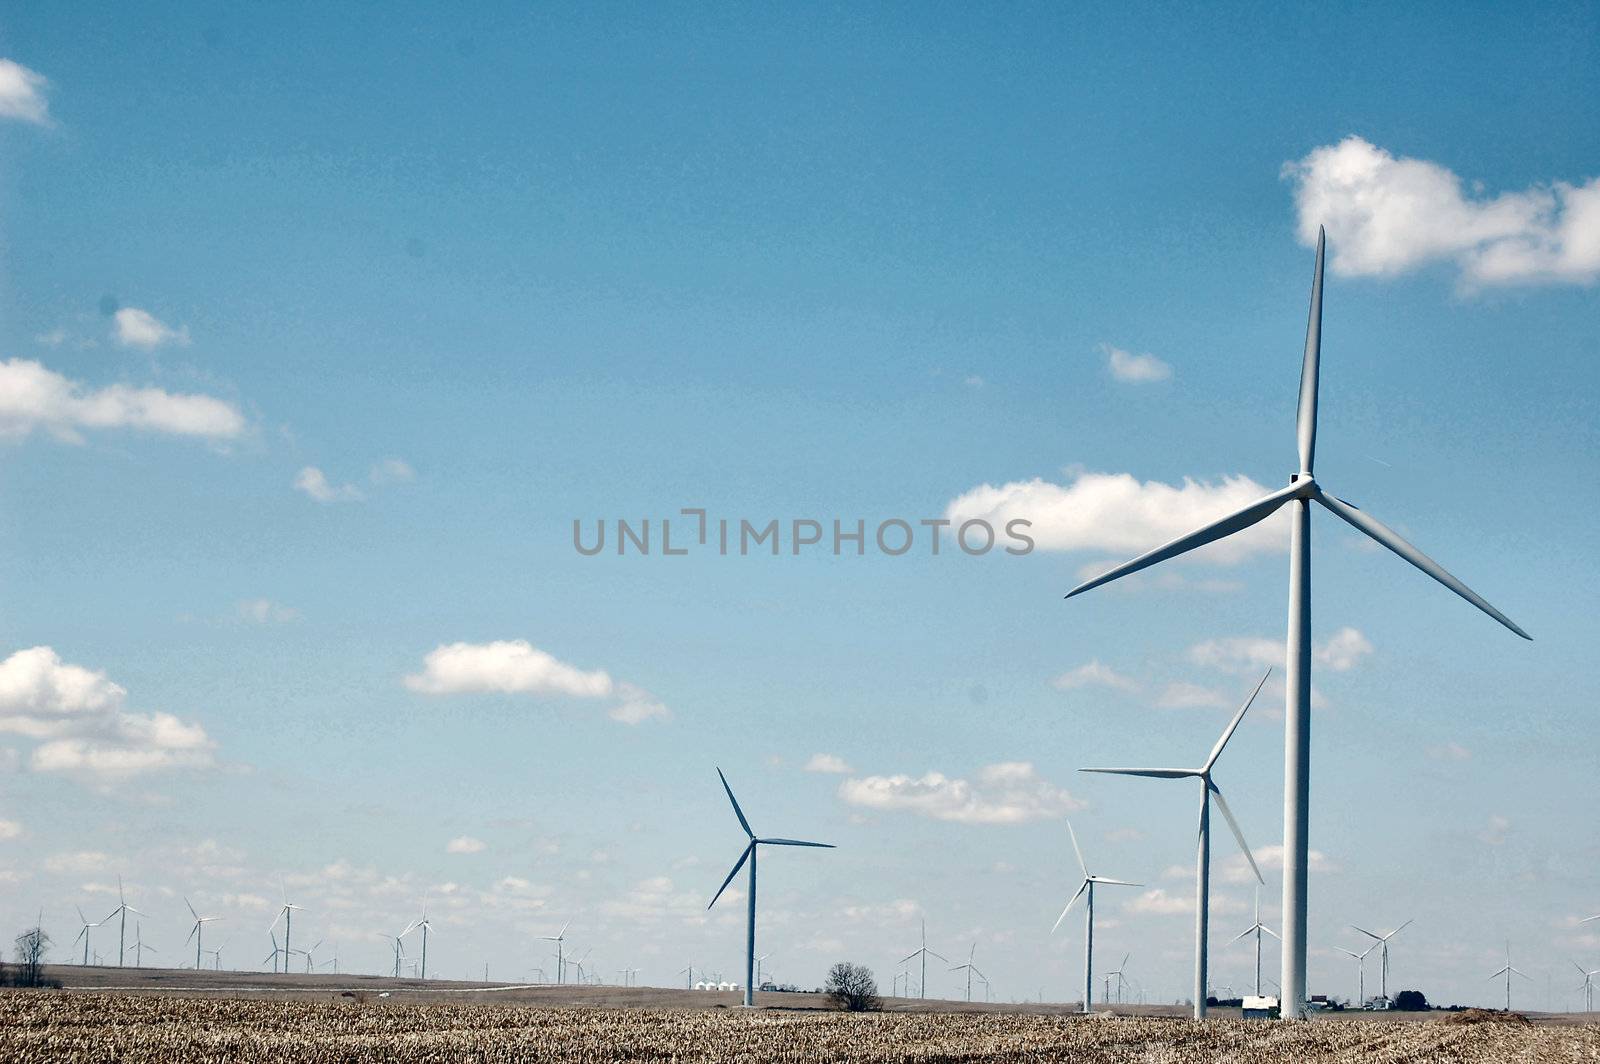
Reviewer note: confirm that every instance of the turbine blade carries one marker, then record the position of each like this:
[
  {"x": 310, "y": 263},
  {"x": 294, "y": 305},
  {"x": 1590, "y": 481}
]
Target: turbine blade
[
  {"x": 1073, "y": 835},
  {"x": 933, "y": 953},
  {"x": 1501, "y": 972},
  {"x": 1152, "y": 773},
  {"x": 1369, "y": 934},
  {"x": 1381, "y": 532},
  {"x": 1589, "y": 919},
  {"x": 909, "y": 957},
  {"x": 1225, "y": 526},
  {"x": 1306, "y": 417},
  {"x": 796, "y": 842},
  {"x": 736, "y": 810},
  {"x": 1247, "y": 930},
  {"x": 1270, "y": 931},
  {"x": 1341, "y": 949},
  {"x": 1233, "y": 825},
  {"x": 191, "y": 909},
  {"x": 1115, "y": 882},
  {"x": 1399, "y": 929},
  {"x": 1216, "y": 751},
  {"x": 743, "y": 857},
  {"x": 1525, "y": 975},
  {"x": 1070, "y": 903}
]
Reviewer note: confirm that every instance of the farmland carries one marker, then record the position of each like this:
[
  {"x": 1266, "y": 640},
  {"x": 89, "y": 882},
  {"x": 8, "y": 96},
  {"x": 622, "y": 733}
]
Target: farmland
[{"x": 94, "y": 1026}]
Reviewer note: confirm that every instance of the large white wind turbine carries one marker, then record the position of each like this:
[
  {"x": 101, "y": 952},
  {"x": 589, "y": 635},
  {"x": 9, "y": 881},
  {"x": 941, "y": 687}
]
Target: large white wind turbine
[
  {"x": 1202, "y": 874},
  {"x": 1508, "y": 972},
  {"x": 1087, "y": 888},
  {"x": 424, "y": 926},
  {"x": 84, "y": 933},
  {"x": 970, "y": 968},
  {"x": 924, "y": 952},
  {"x": 1300, "y": 493},
  {"x": 286, "y": 914},
  {"x": 197, "y": 931},
  {"x": 1361, "y": 971},
  {"x": 560, "y": 939},
  {"x": 1382, "y": 942},
  {"x": 749, "y": 855},
  {"x": 1257, "y": 929},
  {"x": 121, "y": 911},
  {"x": 1587, "y": 989}
]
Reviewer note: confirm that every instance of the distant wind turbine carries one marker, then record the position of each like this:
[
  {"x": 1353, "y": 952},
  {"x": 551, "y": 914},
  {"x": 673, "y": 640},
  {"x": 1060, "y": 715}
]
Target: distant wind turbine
[
  {"x": 1587, "y": 989},
  {"x": 1202, "y": 874},
  {"x": 970, "y": 969},
  {"x": 424, "y": 926},
  {"x": 923, "y": 952},
  {"x": 1121, "y": 982},
  {"x": 1508, "y": 972},
  {"x": 688, "y": 974},
  {"x": 749, "y": 855},
  {"x": 84, "y": 934},
  {"x": 1300, "y": 493},
  {"x": 286, "y": 914},
  {"x": 1257, "y": 929},
  {"x": 1382, "y": 942},
  {"x": 139, "y": 947},
  {"x": 197, "y": 932},
  {"x": 400, "y": 950},
  {"x": 1361, "y": 971},
  {"x": 559, "y": 938},
  {"x": 121, "y": 911},
  {"x": 273, "y": 956},
  {"x": 1087, "y": 888}
]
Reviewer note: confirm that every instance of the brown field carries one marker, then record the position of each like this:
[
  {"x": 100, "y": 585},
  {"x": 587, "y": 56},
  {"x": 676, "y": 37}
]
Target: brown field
[{"x": 160, "y": 1015}]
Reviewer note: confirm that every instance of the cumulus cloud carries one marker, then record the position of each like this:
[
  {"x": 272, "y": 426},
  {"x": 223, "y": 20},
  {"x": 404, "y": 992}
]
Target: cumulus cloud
[
  {"x": 1116, "y": 513},
  {"x": 515, "y": 666},
  {"x": 1451, "y": 751},
  {"x": 10, "y": 829},
  {"x": 1010, "y": 792},
  {"x": 1340, "y": 652},
  {"x": 1094, "y": 674},
  {"x": 315, "y": 484},
  {"x": 828, "y": 763},
  {"x": 465, "y": 844},
  {"x": 1343, "y": 651},
  {"x": 1235, "y": 869},
  {"x": 86, "y": 731},
  {"x": 22, "y": 94},
  {"x": 1388, "y": 215},
  {"x": 133, "y": 327},
  {"x": 1157, "y": 902},
  {"x": 392, "y": 471},
  {"x": 1495, "y": 831},
  {"x": 1135, "y": 369},
  {"x": 33, "y": 397},
  {"x": 265, "y": 611}
]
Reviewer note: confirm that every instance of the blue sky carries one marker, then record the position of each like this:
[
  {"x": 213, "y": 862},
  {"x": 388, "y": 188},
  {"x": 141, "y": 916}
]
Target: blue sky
[{"x": 490, "y": 274}]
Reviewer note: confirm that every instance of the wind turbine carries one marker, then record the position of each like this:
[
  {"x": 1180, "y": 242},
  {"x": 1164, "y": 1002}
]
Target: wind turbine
[
  {"x": 970, "y": 969},
  {"x": 216, "y": 957},
  {"x": 759, "y": 960},
  {"x": 84, "y": 934},
  {"x": 1508, "y": 972},
  {"x": 1202, "y": 875},
  {"x": 1300, "y": 493},
  {"x": 399, "y": 950},
  {"x": 1383, "y": 943},
  {"x": 139, "y": 947},
  {"x": 1256, "y": 929},
  {"x": 578, "y": 964},
  {"x": 559, "y": 938},
  {"x": 310, "y": 956},
  {"x": 286, "y": 914},
  {"x": 426, "y": 927},
  {"x": 122, "y": 910},
  {"x": 1087, "y": 888},
  {"x": 273, "y": 956},
  {"x": 688, "y": 974},
  {"x": 1587, "y": 988},
  {"x": 924, "y": 952},
  {"x": 197, "y": 931},
  {"x": 1120, "y": 980},
  {"x": 1361, "y": 971},
  {"x": 750, "y": 856}
]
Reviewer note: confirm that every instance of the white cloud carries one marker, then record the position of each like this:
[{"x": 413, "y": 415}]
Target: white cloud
[
  {"x": 33, "y": 397},
  {"x": 265, "y": 611},
  {"x": 1235, "y": 869},
  {"x": 465, "y": 844},
  {"x": 392, "y": 471},
  {"x": 1451, "y": 751},
  {"x": 133, "y": 327},
  {"x": 87, "y": 732},
  {"x": 1184, "y": 695},
  {"x": 1114, "y": 512},
  {"x": 1010, "y": 792},
  {"x": 10, "y": 829},
  {"x": 517, "y": 667},
  {"x": 79, "y": 863},
  {"x": 829, "y": 763},
  {"x": 314, "y": 483},
  {"x": 1343, "y": 651},
  {"x": 1340, "y": 652},
  {"x": 1386, "y": 216},
  {"x": 1094, "y": 674},
  {"x": 1158, "y": 902},
  {"x": 1496, "y": 831},
  {"x": 974, "y": 381},
  {"x": 22, "y": 94},
  {"x": 1135, "y": 369}
]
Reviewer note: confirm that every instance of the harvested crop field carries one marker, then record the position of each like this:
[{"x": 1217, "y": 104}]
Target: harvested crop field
[{"x": 101, "y": 1027}]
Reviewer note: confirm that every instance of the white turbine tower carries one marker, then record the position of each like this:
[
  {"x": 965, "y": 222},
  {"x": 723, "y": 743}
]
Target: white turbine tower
[
  {"x": 1087, "y": 887},
  {"x": 924, "y": 952},
  {"x": 273, "y": 956},
  {"x": 1121, "y": 982},
  {"x": 84, "y": 933},
  {"x": 971, "y": 970},
  {"x": 425, "y": 927},
  {"x": 286, "y": 914},
  {"x": 121, "y": 911},
  {"x": 139, "y": 947},
  {"x": 1587, "y": 989},
  {"x": 1361, "y": 971},
  {"x": 197, "y": 932},
  {"x": 1202, "y": 874},
  {"x": 1257, "y": 929},
  {"x": 1508, "y": 972},
  {"x": 1300, "y": 493},
  {"x": 750, "y": 856},
  {"x": 1382, "y": 942},
  {"x": 559, "y": 938}
]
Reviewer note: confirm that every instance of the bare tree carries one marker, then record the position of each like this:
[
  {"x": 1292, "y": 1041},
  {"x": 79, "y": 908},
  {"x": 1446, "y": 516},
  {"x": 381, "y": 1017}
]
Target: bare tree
[
  {"x": 31, "y": 946},
  {"x": 852, "y": 987}
]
